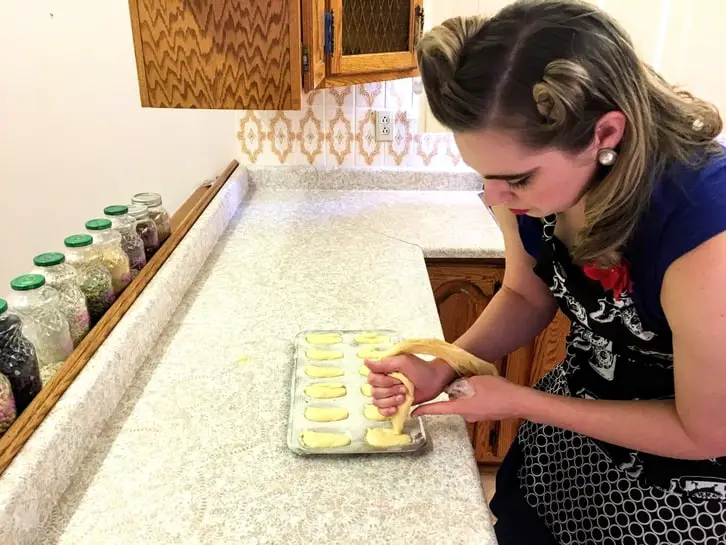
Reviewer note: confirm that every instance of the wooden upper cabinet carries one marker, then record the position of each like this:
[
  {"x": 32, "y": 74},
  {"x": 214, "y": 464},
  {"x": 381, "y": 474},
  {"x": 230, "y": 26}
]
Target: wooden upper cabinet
[
  {"x": 218, "y": 54},
  {"x": 259, "y": 55},
  {"x": 370, "y": 36}
]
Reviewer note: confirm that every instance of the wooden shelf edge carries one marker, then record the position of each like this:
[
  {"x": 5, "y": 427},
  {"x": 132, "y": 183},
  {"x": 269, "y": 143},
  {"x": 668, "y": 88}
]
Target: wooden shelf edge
[{"x": 182, "y": 221}]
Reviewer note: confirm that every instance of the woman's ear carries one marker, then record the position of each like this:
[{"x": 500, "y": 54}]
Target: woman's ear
[{"x": 609, "y": 131}]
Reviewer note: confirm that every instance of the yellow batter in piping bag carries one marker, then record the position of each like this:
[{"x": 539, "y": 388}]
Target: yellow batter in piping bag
[{"x": 459, "y": 359}]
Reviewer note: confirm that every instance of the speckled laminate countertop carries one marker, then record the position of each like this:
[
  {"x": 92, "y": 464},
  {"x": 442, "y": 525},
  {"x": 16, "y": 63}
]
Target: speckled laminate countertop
[{"x": 196, "y": 450}]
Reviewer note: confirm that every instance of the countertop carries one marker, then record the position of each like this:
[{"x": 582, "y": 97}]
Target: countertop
[{"x": 196, "y": 451}]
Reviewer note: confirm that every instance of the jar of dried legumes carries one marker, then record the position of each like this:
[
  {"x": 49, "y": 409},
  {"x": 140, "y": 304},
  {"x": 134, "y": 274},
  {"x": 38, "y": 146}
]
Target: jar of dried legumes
[
  {"x": 156, "y": 211},
  {"x": 8, "y": 412},
  {"x": 146, "y": 228},
  {"x": 18, "y": 361},
  {"x": 131, "y": 242},
  {"x": 63, "y": 278},
  {"x": 93, "y": 277},
  {"x": 108, "y": 243},
  {"x": 44, "y": 324}
]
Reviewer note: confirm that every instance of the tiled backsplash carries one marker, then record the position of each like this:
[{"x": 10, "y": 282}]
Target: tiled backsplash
[{"x": 336, "y": 128}]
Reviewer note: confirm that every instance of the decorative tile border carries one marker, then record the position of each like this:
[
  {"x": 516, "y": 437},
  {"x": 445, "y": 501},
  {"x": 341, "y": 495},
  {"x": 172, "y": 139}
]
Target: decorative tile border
[{"x": 334, "y": 130}]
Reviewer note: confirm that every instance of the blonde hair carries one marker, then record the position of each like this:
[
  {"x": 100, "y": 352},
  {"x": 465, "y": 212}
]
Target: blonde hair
[{"x": 547, "y": 70}]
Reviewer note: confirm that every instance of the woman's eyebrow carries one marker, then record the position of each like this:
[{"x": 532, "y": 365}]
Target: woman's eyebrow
[{"x": 509, "y": 176}]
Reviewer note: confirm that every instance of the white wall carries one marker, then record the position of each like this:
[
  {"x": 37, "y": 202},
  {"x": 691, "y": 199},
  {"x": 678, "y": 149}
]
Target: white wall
[
  {"x": 73, "y": 136},
  {"x": 682, "y": 39}
]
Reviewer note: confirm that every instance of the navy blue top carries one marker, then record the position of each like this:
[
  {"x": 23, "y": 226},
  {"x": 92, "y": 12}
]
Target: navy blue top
[{"x": 687, "y": 208}]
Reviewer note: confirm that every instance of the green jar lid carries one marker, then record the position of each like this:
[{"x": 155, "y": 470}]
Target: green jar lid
[
  {"x": 98, "y": 225},
  {"x": 78, "y": 241},
  {"x": 49, "y": 259},
  {"x": 28, "y": 282},
  {"x": 3, "y": 306},
  {"x": 116, "y": 210}
]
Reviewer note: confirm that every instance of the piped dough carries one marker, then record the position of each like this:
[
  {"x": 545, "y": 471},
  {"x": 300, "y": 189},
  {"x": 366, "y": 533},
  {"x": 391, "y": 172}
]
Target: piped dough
[
  {"x": 319, "y": 371},
  {"x": 325, "y": 414},
  {"x": 371, "y": 353},
  {"x": 325, "y": 390},
  {"x": 459, "y": 359},
  {"x": 371, "y": 337},
  {"x": 399, "y": 419},
  {"x": 316, "y": 354},
  {"x": 316, "y": 439},
  {"x": 363, "y": 370},
  {"x": 386, "y": 438},
  {"x": 323, "y": 338},
  {"x": 367, "y": 390},
  {"x": 371, "y": 412}
]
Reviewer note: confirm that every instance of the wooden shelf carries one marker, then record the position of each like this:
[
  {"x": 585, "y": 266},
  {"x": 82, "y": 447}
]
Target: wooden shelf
[{"x": 35, "y": 413}]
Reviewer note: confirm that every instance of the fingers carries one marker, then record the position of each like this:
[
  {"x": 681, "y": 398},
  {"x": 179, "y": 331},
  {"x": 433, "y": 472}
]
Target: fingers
[
  {"x": 383, "y": 381},
  {"x": 384, "y": 366},
  {"x": 386, "y": 402},
  {"x": 442, "y": 407}
]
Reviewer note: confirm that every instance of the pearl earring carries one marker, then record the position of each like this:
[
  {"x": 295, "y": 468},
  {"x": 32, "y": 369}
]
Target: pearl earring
[{"x": 607, "y": 157}]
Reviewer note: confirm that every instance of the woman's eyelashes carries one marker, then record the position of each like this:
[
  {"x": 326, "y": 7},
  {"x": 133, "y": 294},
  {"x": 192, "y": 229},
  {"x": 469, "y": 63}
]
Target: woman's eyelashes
[{"x": 521, "y": 183}]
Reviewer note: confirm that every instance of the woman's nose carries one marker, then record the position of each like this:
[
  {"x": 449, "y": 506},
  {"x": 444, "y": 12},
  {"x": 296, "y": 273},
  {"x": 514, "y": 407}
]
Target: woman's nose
[{"x": 496, "y": 192}]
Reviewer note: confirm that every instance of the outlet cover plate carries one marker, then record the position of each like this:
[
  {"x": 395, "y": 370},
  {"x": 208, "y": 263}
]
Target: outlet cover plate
[{"x": 384, "y": 125}]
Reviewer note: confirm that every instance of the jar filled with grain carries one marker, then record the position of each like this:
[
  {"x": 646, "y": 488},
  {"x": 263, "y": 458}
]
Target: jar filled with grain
[
  {"x": 63, "y": 278},
  {"x": 146, "y": 228},
  {"x": 8, "y": 412},
  {"x": 108, "y": 243},
  {"x": 93, "y": 277},
  {"x": 131, "y": 242},
  {"x": 44, "y": 324},
  {"x": 156, "y": 211},
  {"x": 18, "y": 360}
]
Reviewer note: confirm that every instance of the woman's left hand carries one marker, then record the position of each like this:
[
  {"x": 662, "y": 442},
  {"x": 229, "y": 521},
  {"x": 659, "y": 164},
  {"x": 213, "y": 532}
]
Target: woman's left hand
[{"x": 480, "y": 398}]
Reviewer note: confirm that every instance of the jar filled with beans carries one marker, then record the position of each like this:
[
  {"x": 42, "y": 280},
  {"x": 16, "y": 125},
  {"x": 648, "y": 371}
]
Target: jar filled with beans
[
  {"x": 131, "y": 242},
  {"x": 93, "y": 277},
  {"x": 18, "y": 360},
  {"x": 44, "y": 324},
  {"x": 146, "y": 228},
  {"x": 108, "y": 243},
  {"x": 63, "y": 278},
  {"x": 156, "y": 211}
]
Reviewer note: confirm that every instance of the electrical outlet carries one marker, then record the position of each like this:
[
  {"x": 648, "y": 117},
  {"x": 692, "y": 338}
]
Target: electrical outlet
[{"x": 384, "y": 125}]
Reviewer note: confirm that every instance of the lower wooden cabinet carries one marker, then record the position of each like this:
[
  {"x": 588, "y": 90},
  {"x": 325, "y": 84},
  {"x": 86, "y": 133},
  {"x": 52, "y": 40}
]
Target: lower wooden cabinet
[{"x": 462, "y": 289}]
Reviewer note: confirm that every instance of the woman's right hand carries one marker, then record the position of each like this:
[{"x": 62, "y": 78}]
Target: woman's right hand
[{"x": 429, "y": 379}]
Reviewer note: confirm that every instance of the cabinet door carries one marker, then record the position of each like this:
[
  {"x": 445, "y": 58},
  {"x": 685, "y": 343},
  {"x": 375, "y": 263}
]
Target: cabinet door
[
  {"x": 218, "y": 54},
  {"x": 549, "y": 348},
  {"x": 371, "y": 36},
  {"x": 462, "y": 291}
]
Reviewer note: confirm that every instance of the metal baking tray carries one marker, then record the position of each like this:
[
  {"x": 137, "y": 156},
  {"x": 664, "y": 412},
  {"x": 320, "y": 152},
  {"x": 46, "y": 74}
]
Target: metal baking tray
[{"x": 355, "y": 425}]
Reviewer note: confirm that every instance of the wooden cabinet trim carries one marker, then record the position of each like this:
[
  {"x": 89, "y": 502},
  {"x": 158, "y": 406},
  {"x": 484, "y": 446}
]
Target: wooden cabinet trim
[
  {"x": 356, "y": 79},
  {"x": 313, "y": 33},
  {"x": 377, "y": 62}
]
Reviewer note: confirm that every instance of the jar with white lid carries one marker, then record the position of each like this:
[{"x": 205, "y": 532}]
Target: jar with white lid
[
  {"x": 146, "y": 228},
  {"x": 60, "y": 276},
  {"x": 131, "y": 242},
  {"x": 108, "y": 243},
  {"x": 44, "y": 324},
  {"x": 93, "y": 276},
  {"x": 156, "y": 211}
]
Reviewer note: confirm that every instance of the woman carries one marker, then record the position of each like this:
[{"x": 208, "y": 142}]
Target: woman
[{"x": 610, "y": 190}]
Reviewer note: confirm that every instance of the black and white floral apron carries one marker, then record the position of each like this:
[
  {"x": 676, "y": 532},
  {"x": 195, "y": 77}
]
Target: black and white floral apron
[{"x": 591, "y": 492}]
